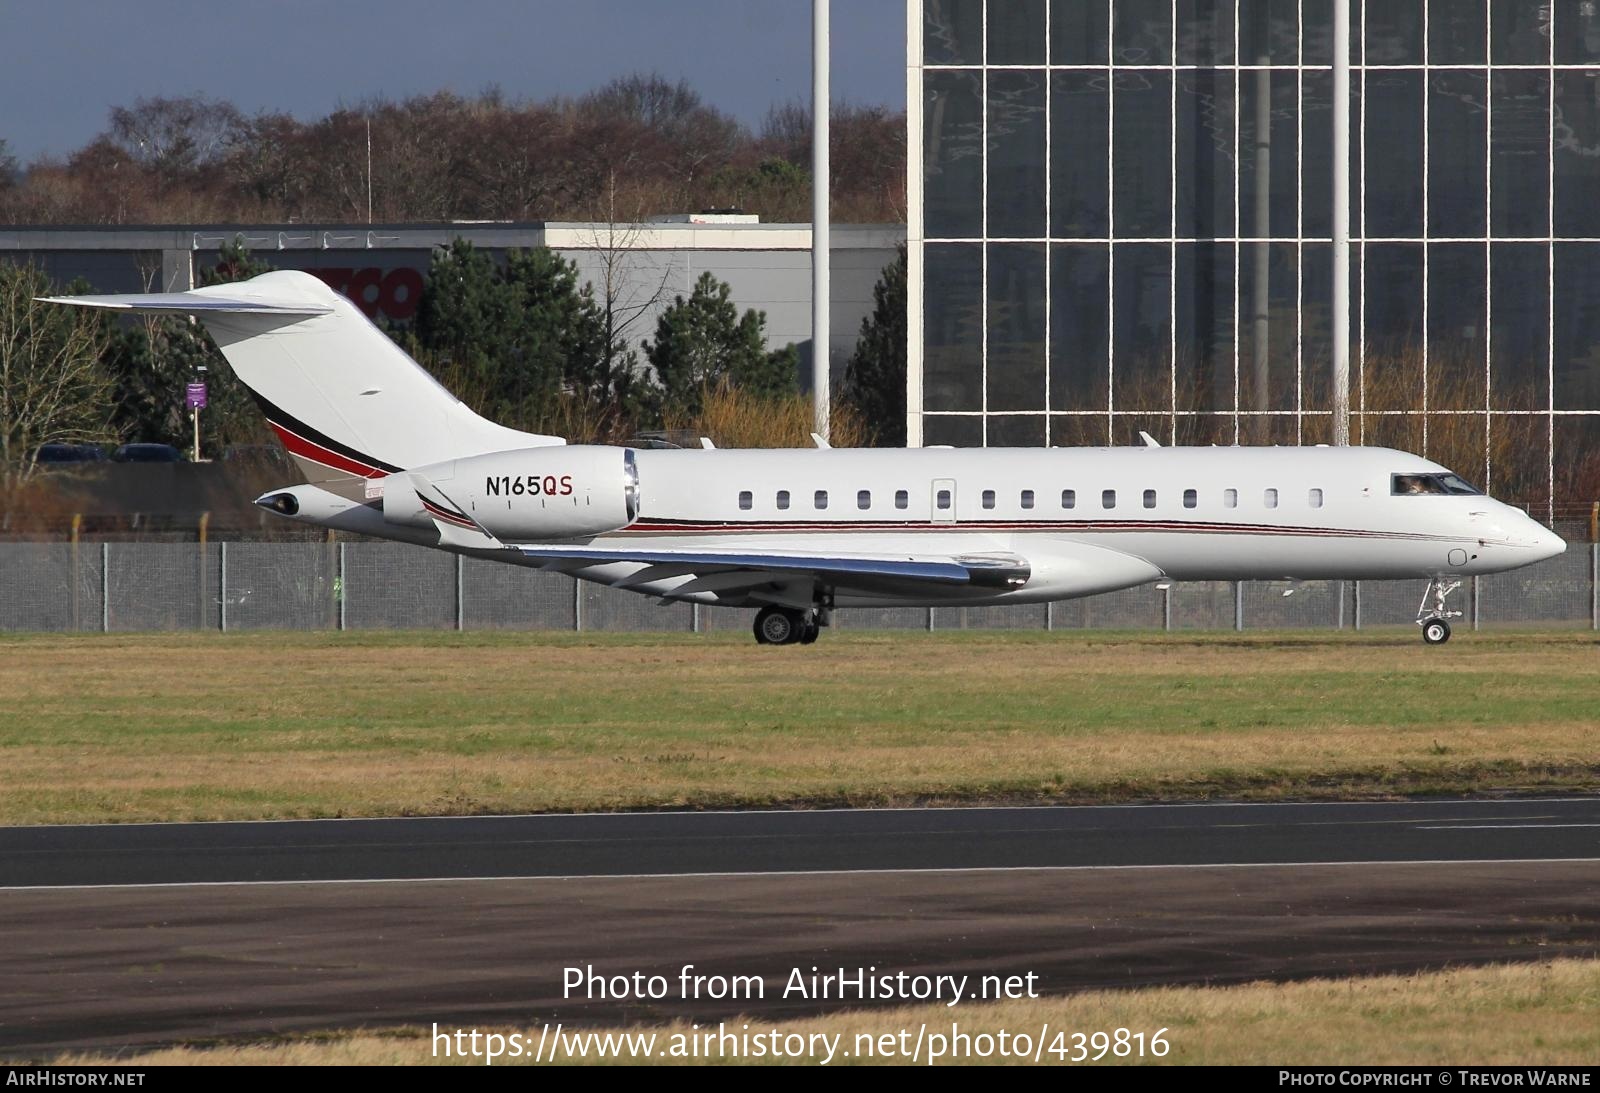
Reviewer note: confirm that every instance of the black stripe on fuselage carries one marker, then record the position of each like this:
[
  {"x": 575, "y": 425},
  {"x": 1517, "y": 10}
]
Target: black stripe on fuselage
[{"x": 283, "y": 420}]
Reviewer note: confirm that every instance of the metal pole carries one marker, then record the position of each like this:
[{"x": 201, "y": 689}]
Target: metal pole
[
  {"x": 222, "y": 585},
  {"x": 343, "y": 587},
  {"x": 1356, "y": 606},
  {"x": 577, "y": 605},
  {"x": 1238, "y": 605},
  {"x": 819, "y": 216},
  {"x": 1594, "y": 586},
  {"x": 1166, "y": 608},
  {"x": 77, "y": 573},
  {"x": 1340, "y": 316},
  {"x": 200, "y": 566},
  {"x": 460, "y": 599},
  {"x": 105, "y": 588}
]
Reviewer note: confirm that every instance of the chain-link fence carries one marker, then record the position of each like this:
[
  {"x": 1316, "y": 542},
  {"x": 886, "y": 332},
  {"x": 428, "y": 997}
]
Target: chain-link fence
[{"x": 340, "y": 586}]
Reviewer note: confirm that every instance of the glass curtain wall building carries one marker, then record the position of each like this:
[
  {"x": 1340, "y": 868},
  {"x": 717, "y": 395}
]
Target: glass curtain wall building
[{"x": 1122, "y": 222}]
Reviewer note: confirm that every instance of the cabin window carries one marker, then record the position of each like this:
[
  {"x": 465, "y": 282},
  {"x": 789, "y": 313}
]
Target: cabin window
[
  {"x": 1230, "y": 499},
  {"x": 1149, "y": 499},
  {"x": 783, "y": 499},
  {"x": 747, "y": 500},
  {"x": 1315, "y": 498},
  {"x": 942, "y": 500},
  {"x": 988, "y": 499},
  {"x": 1270, "y": 498},
  {"x": 863, "y": 499},
  {"x": 1027, "y": 499},
  {"x": 1069, "y": 499},
  {"x": 902, "y": 499},
  {"x": 821, "y": 499},
  {"x": 1108, "y": 499},
  {"x": 1190, "y": 499}
]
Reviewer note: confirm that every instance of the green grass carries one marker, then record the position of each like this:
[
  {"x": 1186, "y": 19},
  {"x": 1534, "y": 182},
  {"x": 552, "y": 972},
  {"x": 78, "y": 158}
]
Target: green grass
[
  {"x": 140, "y": 727},
  {"x": 1522, "y": 1015}
]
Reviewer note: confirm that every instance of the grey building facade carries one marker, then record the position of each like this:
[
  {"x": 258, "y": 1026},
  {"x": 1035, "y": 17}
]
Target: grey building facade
[
  {"x": 1120, "y": 218},
  {"x": 383, "y": 267}
]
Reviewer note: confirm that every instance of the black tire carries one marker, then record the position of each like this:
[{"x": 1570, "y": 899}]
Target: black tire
[
  {"x": 778, "y": 626},
  {"x": 810, "y": 632},
  {"x": 1435, "y": 631}
]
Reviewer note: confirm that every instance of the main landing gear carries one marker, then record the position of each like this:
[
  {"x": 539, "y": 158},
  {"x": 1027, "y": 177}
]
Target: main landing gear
[
  {"x": 1435, "y": 620},
  {"x": 786, "y": 626}
]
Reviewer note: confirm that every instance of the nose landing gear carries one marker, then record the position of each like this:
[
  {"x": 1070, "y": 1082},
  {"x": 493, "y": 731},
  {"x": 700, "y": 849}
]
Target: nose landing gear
[{"x": 1435, "y": 619}]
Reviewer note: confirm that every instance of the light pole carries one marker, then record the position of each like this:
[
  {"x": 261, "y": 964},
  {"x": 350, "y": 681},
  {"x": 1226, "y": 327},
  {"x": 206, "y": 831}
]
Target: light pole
[
  {"x": 819, "y": 216},
  {"x": 1340, "y": 317}
]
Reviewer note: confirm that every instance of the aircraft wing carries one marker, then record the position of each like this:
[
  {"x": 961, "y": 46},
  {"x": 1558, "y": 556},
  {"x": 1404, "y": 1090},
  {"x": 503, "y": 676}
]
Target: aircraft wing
[{"x": 736, "y": 571}]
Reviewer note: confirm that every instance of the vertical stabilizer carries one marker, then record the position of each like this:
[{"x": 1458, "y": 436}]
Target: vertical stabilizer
[{"x": 346, "y": 402}]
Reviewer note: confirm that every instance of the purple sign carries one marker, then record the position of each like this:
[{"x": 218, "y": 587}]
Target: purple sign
[{"x": 195, "y": 396}]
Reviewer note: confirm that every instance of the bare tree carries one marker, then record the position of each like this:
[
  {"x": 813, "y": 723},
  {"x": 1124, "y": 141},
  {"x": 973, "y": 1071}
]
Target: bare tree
[
  {"x": 629, "y": 293},
  {"x": 53, "y": 386},
  {"x": 176, "y": 137}
]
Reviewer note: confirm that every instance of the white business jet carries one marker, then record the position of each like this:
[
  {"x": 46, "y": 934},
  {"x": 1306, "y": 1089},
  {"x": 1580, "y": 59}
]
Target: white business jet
[{"x": 798, "y": 534}]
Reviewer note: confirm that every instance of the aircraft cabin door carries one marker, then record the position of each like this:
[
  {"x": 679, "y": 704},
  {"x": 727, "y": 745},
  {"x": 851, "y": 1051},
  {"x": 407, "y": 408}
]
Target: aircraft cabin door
[{"x": 944, "y": 500}]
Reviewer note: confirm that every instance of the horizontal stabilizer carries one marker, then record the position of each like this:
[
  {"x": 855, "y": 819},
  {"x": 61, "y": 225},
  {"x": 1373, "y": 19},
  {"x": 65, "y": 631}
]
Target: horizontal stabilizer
[{"x": 192, "y": 303}]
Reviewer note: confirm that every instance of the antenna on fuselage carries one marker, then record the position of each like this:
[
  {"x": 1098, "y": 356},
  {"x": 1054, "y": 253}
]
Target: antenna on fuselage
[{"x": 1149, "y": 441}]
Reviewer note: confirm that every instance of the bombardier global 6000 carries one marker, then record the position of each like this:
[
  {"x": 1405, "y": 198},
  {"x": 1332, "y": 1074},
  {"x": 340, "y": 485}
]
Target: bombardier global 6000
[{"x": 798, "y": 534}]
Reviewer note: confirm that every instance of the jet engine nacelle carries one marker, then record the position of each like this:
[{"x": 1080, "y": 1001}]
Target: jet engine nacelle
[{"x": 529, "y": 494}]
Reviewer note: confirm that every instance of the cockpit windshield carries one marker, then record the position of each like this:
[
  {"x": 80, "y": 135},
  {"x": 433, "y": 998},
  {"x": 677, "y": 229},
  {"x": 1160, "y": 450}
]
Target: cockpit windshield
[{"x": 1437, "y": 485}]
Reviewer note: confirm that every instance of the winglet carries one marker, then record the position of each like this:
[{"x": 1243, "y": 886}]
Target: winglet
[{"x": 705, "y": 442}]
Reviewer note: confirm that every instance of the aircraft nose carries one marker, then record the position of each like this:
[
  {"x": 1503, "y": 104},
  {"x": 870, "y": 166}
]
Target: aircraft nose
[{"x": 1547, "y": 544}]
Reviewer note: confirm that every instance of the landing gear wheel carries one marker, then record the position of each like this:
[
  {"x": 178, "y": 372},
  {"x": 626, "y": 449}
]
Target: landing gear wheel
[
  {"x": 1435, "y": 631},
  {"x": 779, "y": 626},
  {"x": 809, "y": 634}
]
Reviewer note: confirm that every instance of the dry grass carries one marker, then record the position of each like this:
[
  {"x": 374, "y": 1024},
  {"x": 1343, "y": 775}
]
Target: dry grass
[
  {"x": 205, "y": 726},
  {"x": 1541, "y": 1014},
  {"x": 734, "y": 418}
]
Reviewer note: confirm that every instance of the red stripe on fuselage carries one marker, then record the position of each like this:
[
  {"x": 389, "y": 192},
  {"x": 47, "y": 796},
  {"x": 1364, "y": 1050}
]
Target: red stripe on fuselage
[{"x": 298, "y": 445}]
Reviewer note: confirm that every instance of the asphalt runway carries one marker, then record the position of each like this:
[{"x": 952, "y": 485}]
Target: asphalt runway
[
  {"x": 123, "y": 936},
  {"x": 682, "y": 843}
]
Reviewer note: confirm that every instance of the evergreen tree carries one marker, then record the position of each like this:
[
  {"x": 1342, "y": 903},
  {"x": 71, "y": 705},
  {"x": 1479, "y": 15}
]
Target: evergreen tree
[
  {"x": 514, "y": 340},
  {"x": 875, "y": 377},
  {"x": 703, "y": 341},
  {"x": 461, "y": 319}
]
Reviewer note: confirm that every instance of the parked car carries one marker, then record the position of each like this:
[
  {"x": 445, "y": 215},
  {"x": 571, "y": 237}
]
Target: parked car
[
  {"x": 58, "y": 453},
  {"x": 147, "y": 453}
]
